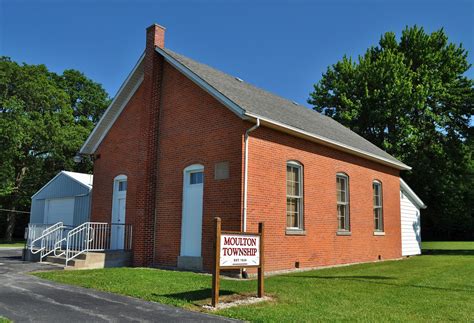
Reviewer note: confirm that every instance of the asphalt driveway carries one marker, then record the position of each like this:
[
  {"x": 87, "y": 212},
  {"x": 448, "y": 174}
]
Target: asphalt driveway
[{"x": 26, "y": 298}]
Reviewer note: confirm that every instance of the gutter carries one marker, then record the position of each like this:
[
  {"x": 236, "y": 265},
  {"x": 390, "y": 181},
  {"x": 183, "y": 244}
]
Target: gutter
[
  {"x": 327, "y": 142},
  {"x": 246, "y": 171}
]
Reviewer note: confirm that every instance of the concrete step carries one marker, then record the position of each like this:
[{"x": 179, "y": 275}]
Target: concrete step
[
  {"x": 62, "y": 260},
  {"x": 56, "y": 260},
  {"x": 94, "y": 260}
]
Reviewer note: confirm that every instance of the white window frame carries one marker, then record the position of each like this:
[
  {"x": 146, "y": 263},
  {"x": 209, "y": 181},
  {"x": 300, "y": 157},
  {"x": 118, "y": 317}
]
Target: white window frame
[
  {"x": 299, "y": 197},
  {"x": 376, "y": 207},
  {"x": 347, "y": 220},
  {"x": 191, "y": 173}
]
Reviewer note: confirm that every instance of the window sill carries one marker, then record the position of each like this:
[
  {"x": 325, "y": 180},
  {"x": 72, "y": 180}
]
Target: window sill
[
  {"x": 379, "y": 233},
  {"x": 295, "y": 232},
  {"x": 343, "y": 233}
]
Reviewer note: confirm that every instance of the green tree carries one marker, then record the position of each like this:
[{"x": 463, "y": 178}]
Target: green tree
[
  {"x": 44, "y": 120},
  {"x": 411, "y": 97}
]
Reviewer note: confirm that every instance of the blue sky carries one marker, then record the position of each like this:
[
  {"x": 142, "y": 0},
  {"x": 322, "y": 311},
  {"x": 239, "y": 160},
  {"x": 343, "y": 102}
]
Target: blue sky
[{"x": 281, "y": 46}]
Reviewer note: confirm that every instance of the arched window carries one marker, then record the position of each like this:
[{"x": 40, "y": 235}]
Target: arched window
[
  {"x": 120, "y": 183},
  {"x": 378, "y": 206},
  {"x": 294, "y": 195},
  {"x": 342, "y": 190}
]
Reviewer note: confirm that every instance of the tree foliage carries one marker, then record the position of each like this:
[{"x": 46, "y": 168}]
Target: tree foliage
[
  {"x": 411, "y": 97},
  {"x": 44, "y": 120}
]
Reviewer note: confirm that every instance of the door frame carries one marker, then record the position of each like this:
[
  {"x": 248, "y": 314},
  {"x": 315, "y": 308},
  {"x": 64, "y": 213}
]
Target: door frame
[
  {"x": 194, "y": 168},
  {"x": 116, "y": 210}
]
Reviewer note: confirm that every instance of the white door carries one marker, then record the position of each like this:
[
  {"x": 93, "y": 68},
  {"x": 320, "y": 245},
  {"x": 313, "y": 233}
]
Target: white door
[
  {"x": 59, "y": 210},
  {"x": 191, "y": 227},
  {"x": 118, "y": 213}
]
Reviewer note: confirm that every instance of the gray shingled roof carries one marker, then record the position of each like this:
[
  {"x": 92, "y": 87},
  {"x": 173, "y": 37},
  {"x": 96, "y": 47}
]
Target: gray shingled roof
[{"x": 264, "y": 104}]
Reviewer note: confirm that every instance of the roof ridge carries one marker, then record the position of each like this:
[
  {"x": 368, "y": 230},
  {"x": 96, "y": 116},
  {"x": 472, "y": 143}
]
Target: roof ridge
[{"x": 243, "y": 81}]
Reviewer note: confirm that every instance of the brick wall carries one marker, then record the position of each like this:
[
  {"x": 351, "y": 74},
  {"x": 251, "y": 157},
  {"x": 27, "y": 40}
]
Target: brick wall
[
  {"x": 120, "y": 153},
  {"x": 195, "y": 129},
  {"x": 320, "y": 246}
]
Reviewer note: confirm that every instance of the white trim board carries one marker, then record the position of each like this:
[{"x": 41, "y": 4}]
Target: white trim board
[
  {"x": 411, "y": 194},
  {"x": 101, "y": 126},
  {"x": 63, "y": 172}
]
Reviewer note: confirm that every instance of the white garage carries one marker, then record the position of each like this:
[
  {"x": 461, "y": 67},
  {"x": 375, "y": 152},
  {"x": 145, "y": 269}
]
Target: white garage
[
  {"x": 410, "y": 205},
  {"x": 65, "y": 198}
]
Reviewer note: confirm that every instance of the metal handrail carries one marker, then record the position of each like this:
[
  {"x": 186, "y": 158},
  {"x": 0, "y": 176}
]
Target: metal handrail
[
  {"x": 96, "y": 236},
  {"x": 48, "y": 239},
  {"x": 89, "y": 236},
  {"x": 32, "y": 231},
  {"x": 44, "y": 234},
  {"x": 82, "y": 239}
]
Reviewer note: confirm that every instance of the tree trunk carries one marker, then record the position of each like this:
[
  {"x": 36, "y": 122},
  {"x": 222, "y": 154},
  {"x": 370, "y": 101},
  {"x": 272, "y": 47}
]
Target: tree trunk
[
  {"x": 11, "y": 217},
  {"x": 11, "y": 220}
]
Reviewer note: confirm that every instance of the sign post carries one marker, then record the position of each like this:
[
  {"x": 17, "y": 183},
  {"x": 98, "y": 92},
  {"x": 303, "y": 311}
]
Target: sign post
[
  {"x": 237, "y": 250},
  {"x": 261, "y": 271},
  {"x": 216, "y": 269}
]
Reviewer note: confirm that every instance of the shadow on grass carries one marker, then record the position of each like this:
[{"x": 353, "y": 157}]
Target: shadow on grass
[
  {"x": 346, "y": 277},
  {"x": 443, "y": 252},
  {"x": 382, "y": 280},
  {"x": 195, "y": 295}
]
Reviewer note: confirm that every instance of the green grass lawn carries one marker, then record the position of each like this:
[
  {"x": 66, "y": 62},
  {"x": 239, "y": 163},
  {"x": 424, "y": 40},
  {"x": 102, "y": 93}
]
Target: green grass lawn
[
  {"x": 4, "y": 320},
  {"x": 14, "y": 243},
  {"x": 437, "y": 287},
  {"x": 447, "y": 245}
]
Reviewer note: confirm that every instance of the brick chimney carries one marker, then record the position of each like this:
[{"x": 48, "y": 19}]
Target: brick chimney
[
  {"x": 145, "y": 203},
  {"x": 155, "y": 36}
]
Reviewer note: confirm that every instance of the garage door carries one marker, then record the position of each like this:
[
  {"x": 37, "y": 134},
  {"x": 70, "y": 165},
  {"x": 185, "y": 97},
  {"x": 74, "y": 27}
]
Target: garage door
[{"x": 59, "y": 210}]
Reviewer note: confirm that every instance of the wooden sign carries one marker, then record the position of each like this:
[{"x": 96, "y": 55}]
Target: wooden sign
[{"x": 237, "y": 250}]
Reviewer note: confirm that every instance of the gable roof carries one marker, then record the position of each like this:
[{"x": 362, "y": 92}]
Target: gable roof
[
  {"x": 411, "y": 194},
  {"x": 250, "y": 102},
  {"x": 81, "y": 178}
]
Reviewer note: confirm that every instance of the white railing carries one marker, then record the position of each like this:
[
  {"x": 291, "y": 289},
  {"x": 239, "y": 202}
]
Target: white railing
[
  {"x": 96, "y": 236},
  {"x": 47, "y": 240},
  {"x": 71, "y": 242},
  {"x": 33, "y": 231}
]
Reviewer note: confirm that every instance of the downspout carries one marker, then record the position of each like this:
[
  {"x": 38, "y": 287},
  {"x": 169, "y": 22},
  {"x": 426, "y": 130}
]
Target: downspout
[{"x": 246, "y": 170}]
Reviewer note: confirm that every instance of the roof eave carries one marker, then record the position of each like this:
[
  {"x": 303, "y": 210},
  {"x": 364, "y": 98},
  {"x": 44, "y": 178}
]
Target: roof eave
[
  {"x": 404, "y": 186},
  {"x": 87, "y": 186},
  {"x": 327, "y": 142},
  {"x": 292, "y": 130},
  {"x": 56, "y": 176},
  {"x": 87, "y": 150},
  {"x": 45, "y": 185},
  {"x": 91, "y": 144}
]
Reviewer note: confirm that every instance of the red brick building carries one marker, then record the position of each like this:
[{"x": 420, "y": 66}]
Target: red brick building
[{"x": 183, "y": 143}]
